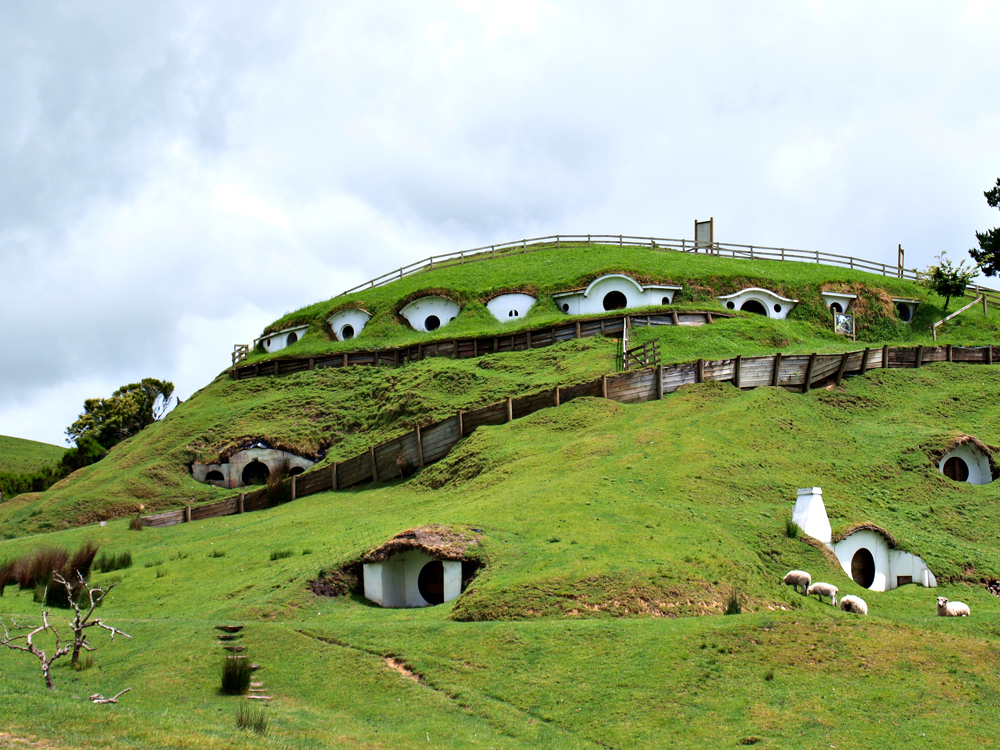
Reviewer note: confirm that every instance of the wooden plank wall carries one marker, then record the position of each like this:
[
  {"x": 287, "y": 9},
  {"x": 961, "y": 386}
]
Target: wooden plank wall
[
  {"x": 475, "y": 347},
  {"x": 436, "y": 440}
]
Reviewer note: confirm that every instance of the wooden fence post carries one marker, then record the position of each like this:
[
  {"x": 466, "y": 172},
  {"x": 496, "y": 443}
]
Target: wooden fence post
[
  {"x": 187, "y": 514},
  {"x": 454, "y": 348},
  {"x": 989, "y": 355},
  {"x": 659, "y": 381},
  {"x": 947, "y": 353},
  {"x": 528, "y": 335},
  {"x": 918, "y": 358},
  {"x": 777, "y": 369},
  {"x": 809, "y": 373},
  {"x": 578, "y": 329},
  {"x": 294, "y": 487},
  {"x": 842, "y": 368},
  {"x": 510, "y": 409},
  {"x": 737, "y": 367},
  {"x": 673, "y": 316},
  {"x": 276, "y": 363},
  {"x": 333, "y": 477},
  {"x": 557, "y": 396},
  {"x": 461, "y": 425},
  {"x": 345, "y": 360},
  {"x": 604, "y": 386},
  {"x": 371, "y": 456},
  {"x": 312, "y": 363},
  {"x": 885, "y": 357},
  {"x": 864, "y": 360},
  {"x": 700, "y": 371},
  {"x": 242, "y": 503}
]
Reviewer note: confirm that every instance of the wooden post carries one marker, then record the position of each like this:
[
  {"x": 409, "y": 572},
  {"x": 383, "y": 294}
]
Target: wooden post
[
  {"x": 528, "y": 335},
  {"x": 187, "y": 514},
  {"x": 737, "y": 367},
  {"x": 294, "y": 486},
  {"x": 420, "y": 352},
  {"x": 947, "y": 350},
  {"x": 557, "y": 396},
  {"x": 276, "y": 364},
  {"x": 345, "y": 359},
  {"x": 673, "y": 315},
  {"x": 864, "y": 360},
  {"x": 700, "y": 371},
  {"x": 371, "y": 456},
  {"x": 985, "y": 312},
  {"x": 312, "y": 363},
  {"x": 885, "y": 357},
  {"x": 602, "y": 326},
  {"x": 333, "y": 477},
  {"x": 604, "y": 386},
  {"x": 842, "y": 368},
  {"x": 241, "y": 504},
  {"x": 395, "y": 356},
  {"x": 475, "y": 348},
  {"x": 777, "y": 369},
  {"x": 454, "y": 348},
  {"x": 496, "y": 344},
  {"x": 989, "y": 355},
  {"x": 659, "y": 381},
  {"x": 809, "y": 373},
  {"x": 461, "y": 425},
  {"x": 256, "y": 370},
  {"x": 918, "y": 359},
  {"x": 510, "y": 409},
  {"x": 420, "y": 448},
  {"x": 578, "y": 329}
]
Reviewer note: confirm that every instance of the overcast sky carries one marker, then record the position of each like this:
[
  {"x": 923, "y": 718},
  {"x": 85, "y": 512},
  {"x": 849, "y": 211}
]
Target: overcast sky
[{"x": 176, "y": 175}]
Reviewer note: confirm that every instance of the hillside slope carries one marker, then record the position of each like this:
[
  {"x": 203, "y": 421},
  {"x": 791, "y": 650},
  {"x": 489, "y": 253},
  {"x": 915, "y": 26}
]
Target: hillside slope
[{"x": 21, "y": 456}]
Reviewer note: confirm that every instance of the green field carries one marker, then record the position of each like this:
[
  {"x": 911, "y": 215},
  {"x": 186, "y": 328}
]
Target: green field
[
  {"x": 22, "y": 456},
  {"x": 614, "y": 536}
]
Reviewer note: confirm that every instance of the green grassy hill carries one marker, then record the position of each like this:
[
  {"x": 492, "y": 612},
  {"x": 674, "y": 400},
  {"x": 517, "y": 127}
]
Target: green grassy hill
[
  {"x": 614, "y": 534},
  {"x": 20, "y": 456}
]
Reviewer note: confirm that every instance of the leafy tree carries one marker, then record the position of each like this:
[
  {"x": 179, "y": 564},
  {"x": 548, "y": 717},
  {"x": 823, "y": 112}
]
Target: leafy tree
[
  {"x": 988, "y": 255},
  {"x": 946, "y": 279},
  {"x": 129, "y": 409}
]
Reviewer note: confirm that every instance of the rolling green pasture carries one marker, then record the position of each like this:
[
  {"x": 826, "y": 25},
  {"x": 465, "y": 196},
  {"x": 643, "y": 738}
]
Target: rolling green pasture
[
  {"x": 21, "y": 456},
  {"x": 614, "y": 533}
]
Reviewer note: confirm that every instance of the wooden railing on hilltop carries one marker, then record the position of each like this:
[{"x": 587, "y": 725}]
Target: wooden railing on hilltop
[{"x": 432, "y": 442}]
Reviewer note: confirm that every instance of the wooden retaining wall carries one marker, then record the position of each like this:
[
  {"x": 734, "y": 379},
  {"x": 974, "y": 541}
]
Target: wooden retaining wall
[
  {"x": 430, "y": 443},
  {"x": 476, "y": 347}
]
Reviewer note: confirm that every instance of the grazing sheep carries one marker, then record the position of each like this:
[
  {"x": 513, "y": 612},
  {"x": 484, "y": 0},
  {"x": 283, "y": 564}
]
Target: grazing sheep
[
  {"x": 824, "y": 589},
  {"x": 952, "y": 609},
  {"x": 798, "y": 578},
  {"x": 855, "y": 604}
]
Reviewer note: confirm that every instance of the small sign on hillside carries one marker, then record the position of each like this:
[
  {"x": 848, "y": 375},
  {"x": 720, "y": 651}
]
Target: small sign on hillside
[{"x": 844, "y": 325}]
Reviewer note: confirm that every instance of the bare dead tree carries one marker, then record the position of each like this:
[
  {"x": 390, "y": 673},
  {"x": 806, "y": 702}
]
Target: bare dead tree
[
  {"x": 23, "y": 638},
  {"x": 84, "y": 616},
  {"x": 98, "y": 698},
  {"x": 14, "y": 642}
]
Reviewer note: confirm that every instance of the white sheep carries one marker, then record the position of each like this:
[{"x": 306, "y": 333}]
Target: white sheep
[
  {"x": 855, "y": 604},
  {"x": 952, "y": 609},
  {"x": 798, "y": 578},
  {"x": 824, "y": 589}
]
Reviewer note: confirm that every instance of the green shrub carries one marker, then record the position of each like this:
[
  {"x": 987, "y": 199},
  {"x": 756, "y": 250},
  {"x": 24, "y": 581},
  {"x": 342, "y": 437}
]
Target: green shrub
[
  {"x": 791, "y": 528},
  {"x": 280, "y": 554},
  {"x": 236, "y": 673}
]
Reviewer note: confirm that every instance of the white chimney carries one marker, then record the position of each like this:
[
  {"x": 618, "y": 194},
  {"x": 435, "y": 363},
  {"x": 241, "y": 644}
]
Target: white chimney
[{"x": 810, "y": 514}]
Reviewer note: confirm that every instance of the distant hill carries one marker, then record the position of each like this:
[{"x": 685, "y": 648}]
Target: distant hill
[{"x": 19, "y": 455}]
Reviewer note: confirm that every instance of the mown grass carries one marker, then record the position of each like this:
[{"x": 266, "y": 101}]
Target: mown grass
[
  {"x": 21, "y": 456},
  {"x": 613, "y": 634}
]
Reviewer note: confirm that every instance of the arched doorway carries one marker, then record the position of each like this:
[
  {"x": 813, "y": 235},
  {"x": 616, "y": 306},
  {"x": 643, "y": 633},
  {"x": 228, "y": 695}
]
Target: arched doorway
[
  {"x": 295, "y": 471},
  {"x": 214, "y": 476},
  {"x": 615, "y": 301},
  {"x": 430, "y": 582},
  {"x": 863, "y": 568},
  {"x": 755, "y": 307},
  {"x": 292, "y": 338},
  {"x": 255, "y": 472},
  {"x": 835, "y": 306},
  {"x": 956, "y": 468},
  {"x": 903, "y": 311}
]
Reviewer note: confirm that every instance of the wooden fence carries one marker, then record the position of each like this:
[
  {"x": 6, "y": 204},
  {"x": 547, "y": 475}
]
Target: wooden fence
[
  {"x": 475, "y": 347},
  {"x": 427, "y": 444},
  {"x": 721, "y": 249}
]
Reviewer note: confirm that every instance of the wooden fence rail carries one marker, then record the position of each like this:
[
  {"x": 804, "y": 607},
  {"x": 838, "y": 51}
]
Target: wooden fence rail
[
  {"x": 429, "y": 443},
  {"x": 721, "y": 249},
  {"x": 476, "y": 347}
]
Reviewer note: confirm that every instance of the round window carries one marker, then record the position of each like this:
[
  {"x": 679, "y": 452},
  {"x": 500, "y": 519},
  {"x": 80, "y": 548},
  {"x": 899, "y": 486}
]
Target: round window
[
  {"x": 565, "y": 307},
  {"x": 731, "y": 305},
  {"x": 863, "y": 568},
  {"x": 956, "y": 468},
  {"x": 347, "y": 332},
  {"x": 430, "y": 582},
  {"x": 432, "y": 323},
  {"x": 292, "y": 338},
  {"x": 615, "y": 301},
  {"x": 777, "y": 308}
]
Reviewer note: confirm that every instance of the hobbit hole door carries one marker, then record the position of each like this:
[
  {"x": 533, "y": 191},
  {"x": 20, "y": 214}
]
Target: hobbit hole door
[
  {"x": 863, "y": 568},
  {"x": 430, "y": 582}
]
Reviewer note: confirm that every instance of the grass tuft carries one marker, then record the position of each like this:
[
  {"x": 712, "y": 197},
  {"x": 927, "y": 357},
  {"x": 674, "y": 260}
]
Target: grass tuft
[
  {"x": 280, "y": 554},
  {"x": 251, "y": 717},
  {"x": 115, "y": 561},
  {"x": 236, "y": 672},
  {"x": 791, "y": 528},
  {"x": 135, "y": 524},
  {"x": 217, "y": 553},
  {"x": 733, "y": 606}
]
